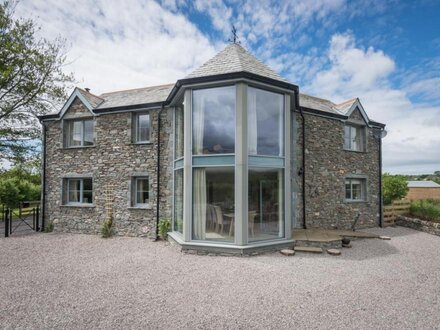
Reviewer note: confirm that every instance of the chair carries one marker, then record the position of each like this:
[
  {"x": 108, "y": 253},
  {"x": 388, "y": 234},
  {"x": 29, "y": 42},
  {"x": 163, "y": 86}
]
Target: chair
[{"x": 251, "y": 220}]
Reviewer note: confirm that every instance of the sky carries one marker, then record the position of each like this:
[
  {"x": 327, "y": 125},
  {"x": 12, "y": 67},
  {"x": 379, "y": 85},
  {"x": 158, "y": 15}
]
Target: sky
[{"x": 387, "y": 53}]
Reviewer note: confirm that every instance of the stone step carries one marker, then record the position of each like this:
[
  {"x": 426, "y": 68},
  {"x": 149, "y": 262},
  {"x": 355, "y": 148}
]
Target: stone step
[
  {"x": 308, "y": 249},
  {"x": 287, "y": 252},
  {"x": 334, "y": 252}
]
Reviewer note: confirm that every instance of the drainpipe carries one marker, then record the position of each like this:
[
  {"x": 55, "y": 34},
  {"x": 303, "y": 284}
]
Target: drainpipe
[
  {"x": 158, "y": 172},
  {"x": 43, "y": 185},
  {"x": 303, "y": 168},
  {"x": 380, "y": 184}
]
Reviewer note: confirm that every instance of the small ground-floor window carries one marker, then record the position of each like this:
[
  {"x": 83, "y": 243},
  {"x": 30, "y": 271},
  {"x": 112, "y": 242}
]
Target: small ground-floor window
[
  {"x": 78, "y": 190},
  {"x": 141, "y": 191},
  {"x": 355, "y": 189}
]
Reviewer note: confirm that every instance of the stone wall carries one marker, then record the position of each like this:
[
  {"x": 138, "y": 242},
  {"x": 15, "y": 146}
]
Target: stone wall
[
  {"x": 429, "y": 227},
  {"x": 327, "y": 165},
  {"x": 112, "y": 160}
]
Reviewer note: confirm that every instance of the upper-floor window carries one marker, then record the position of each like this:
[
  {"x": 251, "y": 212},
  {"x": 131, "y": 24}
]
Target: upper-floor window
[
  {"x": 78, "y": 190},
  {"x": 178, "y": 131},
  {"x": 79, "y": 133},
  {"x": 354, "y": 138},
  {"x": 213, "y": 121},
  {"x": 355, "y": 189},
  {"x": 265, "y": 122},
  {"x": 142, "y": 127}
]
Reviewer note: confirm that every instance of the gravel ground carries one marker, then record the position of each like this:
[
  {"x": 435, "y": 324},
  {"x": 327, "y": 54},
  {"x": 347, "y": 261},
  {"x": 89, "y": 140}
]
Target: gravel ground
[{"x": 82, "y": 281}]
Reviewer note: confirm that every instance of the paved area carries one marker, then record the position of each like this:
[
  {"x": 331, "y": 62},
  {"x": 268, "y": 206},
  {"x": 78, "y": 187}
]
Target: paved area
[{"x": 85, "y": 282}]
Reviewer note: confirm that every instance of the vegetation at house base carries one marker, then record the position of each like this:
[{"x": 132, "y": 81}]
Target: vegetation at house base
[
  {"x": 20, "y": 183},
  {"x": 49, "y": 227},
  {"x": 107, "y": 228},
  {"x": 394, "y": 188},
  {"x": 32, "y": 82},
  {"x": 426, "y": 210},
  {"x": 164, "y": 228}
]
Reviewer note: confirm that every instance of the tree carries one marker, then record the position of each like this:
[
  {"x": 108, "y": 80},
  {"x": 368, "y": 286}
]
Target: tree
[
  {"x": 32, "y": 82},
  {"x": 394, "y": 187}
]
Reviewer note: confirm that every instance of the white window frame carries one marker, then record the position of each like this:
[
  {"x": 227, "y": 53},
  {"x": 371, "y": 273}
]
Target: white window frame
[
  {"x": 363, "y": 183},
  {"x": 69, "y": 127},
  {"x": 135, "y": 191},
  {"x": 136, "y": 135},
  {"x": 81, "y": 189},
  {"x": 361, "y": 143}
]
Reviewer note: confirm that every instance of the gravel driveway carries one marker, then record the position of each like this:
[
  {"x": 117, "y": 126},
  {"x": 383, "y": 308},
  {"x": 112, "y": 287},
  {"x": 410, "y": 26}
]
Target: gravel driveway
[{"x": 82, "y": 281}]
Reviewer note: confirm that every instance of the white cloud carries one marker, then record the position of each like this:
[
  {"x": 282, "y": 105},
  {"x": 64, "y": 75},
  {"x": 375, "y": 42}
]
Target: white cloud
[
  {"x": 413, "y": 140},
  {"x": 124, "y": 44}
]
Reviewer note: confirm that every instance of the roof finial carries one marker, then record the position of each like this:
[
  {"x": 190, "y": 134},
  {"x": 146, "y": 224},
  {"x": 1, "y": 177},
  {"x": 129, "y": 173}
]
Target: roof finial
[{"x": 234, "y": 36}]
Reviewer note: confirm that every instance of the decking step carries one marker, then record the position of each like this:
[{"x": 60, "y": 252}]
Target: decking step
[{"x": 308, "y": 249}]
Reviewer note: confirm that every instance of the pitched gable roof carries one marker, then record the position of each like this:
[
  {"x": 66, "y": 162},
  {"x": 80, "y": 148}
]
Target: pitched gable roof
[
  {"x": 130, "y": 97},
  {"x": 91, "y": 98},
  {"x": 234, "y": 58}
]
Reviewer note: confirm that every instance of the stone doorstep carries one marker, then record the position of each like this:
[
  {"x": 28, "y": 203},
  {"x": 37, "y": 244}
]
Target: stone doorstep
[
  {"x": 308, "y": 249},
  {"x": 334, "y": 252},
  {"x": 287, "y": 252}
]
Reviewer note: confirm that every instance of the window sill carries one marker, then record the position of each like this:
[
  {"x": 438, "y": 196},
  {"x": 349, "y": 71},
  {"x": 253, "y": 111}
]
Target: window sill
[
  {"x": 79, "y": 205},
  {"x": 140, "y": 207},
  {"x": 352, "y": 201},
  {"x": 141, "y": 143},
  {"x": 358, "y": 151},
  {"x": 78, "y": 147}
]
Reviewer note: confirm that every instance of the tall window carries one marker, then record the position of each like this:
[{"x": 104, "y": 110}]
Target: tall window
[
  {"x": 266, "y": 204},
  {"x": 79, "y": 133},
  {"x": 213, "y": 204},
  {"x": 214, "y": 121},
  {"x": 265, "y": 123},
  {"x": 178, "y": 200},
  {"x": 178, "y": 132},
  {"x": 141, "y": 191},
  {"x": 355, "y": 189},
  {"x": 354, "y": 138},
  {"x": 78, "y": 190},
  {"x": 142, "y": 127}
]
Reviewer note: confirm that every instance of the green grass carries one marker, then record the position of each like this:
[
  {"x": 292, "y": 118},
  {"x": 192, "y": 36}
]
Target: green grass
[{"x": 426, "y": 209}]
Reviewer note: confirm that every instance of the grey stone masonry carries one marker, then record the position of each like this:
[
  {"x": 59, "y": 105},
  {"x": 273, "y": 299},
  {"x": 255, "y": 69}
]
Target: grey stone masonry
[
  {"x": 113, "y": 161},
  {"x": 327, "y": 165},
  {"x": 426, "y": 226}
]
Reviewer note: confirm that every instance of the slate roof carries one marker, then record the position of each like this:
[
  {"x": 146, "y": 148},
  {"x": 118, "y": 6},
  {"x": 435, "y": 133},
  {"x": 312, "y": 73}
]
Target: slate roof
[
  {"x": 312, "y": 102},
  {"x": 93, "y": 99},
  {"x": 234, "y": 58},
  {"x": 136, "y": 96},
  {"x": 423, "y": 184}
]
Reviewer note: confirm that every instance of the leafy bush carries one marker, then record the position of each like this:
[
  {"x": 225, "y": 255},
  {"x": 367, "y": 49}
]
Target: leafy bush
[
  {"x": 107, "y": 228},
  {"x": 164, "y": 228},
  {"x": 49, "y": 227},
  {"x": 395, "y": 187},
  {"x": 15, "y": 190},
  {"x": 426, "y": 209}
]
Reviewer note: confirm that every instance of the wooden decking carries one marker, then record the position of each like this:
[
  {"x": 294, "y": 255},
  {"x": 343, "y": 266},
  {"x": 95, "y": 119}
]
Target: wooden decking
[{"x": 328, "y": 235}]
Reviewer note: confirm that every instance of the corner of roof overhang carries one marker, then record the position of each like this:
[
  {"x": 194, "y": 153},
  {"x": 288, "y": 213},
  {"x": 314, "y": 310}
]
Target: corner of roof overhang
[{"x": 228, "y": 76}]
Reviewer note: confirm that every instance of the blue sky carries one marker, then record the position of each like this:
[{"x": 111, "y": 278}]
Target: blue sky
[{"x": 387, "y": 53}]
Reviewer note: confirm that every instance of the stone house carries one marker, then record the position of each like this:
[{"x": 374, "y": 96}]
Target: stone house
[{"x": 233, "y": 154}]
